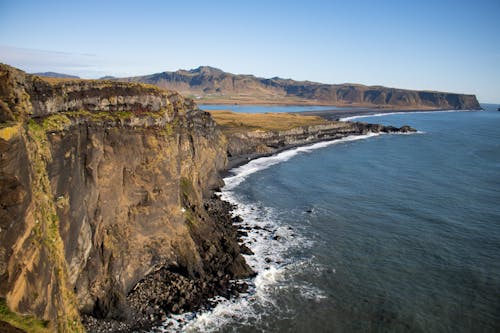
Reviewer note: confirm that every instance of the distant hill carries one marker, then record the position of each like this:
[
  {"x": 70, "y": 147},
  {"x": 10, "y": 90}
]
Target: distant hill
[
  {"x": 212, "y": 85},
  {"x": 108, "y": 77},
  {"x": 57, "y": 75}
]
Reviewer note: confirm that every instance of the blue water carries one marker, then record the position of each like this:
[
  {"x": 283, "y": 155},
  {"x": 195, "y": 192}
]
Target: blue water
[
  {"x": 392, "y": 233},
  {"x": 268, "y": 108}
]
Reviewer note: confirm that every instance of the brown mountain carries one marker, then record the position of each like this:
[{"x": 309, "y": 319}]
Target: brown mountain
[
  {"x": 212, "y": 85},
  {"x": 57, "y": 75}
]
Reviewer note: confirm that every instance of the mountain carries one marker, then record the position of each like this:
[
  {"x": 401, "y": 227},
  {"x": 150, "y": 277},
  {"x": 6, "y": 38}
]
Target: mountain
[
  {"x": 212, "y": 85},
  {"x": 57, "y": 75}
]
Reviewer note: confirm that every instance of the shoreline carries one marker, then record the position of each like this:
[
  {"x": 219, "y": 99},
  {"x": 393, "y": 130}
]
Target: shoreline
[
  {"x": 255, "y": 227},
  {"x": 348, "y": 115},
  {"x": 247, "y": 158}
]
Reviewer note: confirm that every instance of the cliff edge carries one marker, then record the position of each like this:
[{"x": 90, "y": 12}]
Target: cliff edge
[{"x": 106, "y": 194}]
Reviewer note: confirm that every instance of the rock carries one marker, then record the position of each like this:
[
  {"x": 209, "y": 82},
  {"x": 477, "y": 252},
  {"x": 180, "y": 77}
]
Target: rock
[
  {"x": 213, "y": 82},
  {"x": 245, "y": 250},
  {"x": 111, "y": 165}
]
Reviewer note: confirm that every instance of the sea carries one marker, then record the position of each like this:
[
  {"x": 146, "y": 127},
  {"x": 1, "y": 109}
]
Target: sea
[{"x": 374, "y": 233}]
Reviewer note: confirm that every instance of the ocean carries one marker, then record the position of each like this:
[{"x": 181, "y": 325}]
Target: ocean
[{"x": 389, "y": 233}]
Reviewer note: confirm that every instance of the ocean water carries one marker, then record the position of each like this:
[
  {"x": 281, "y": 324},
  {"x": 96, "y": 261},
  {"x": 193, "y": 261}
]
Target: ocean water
[{"x": 381, "y": 233}]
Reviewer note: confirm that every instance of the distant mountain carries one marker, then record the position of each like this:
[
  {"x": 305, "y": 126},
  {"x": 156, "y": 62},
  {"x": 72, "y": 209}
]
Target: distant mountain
[
  {"x": 108, "y": 77},
  {"x": 212, "y": 85},
  {"x": 57, "y": 75}
]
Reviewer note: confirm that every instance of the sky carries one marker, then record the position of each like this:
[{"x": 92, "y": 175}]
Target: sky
[{"x": 427, "y": 45}]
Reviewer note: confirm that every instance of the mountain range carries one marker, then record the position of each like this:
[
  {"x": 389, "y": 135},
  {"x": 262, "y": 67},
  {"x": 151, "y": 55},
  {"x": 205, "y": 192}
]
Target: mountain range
[
  {"x": 214, "y": 86},
  {"x": 57, "y": 75}
]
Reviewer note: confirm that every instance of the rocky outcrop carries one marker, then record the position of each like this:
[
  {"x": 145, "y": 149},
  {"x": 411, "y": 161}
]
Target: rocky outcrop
[
  {"x": 107, "y": 210},
  {"x": 106, "y": 187},
  {"x": 243, "y": 146},
  {"x": 230, "y": 88}
]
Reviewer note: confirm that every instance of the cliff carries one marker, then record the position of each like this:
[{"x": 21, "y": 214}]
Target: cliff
[
  {"x": 211, "y": 85},
  {"x": 252, "y": 136},
  {"x": 108, "y": 220},
  {"x": 105, "y": 202}
]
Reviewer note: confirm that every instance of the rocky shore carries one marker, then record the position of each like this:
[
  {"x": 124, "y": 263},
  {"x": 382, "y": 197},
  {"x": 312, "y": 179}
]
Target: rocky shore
[
  {"x": 106, "y": 193},
  {"x": 243, "y": 147},
  {"x": 173, "y": 291},
  {"x": 108, "y": 218}
]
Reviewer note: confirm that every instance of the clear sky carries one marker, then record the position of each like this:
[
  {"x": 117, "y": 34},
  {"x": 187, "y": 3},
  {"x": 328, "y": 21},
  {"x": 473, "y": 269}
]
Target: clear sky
[{"x": 435, "y": 45}]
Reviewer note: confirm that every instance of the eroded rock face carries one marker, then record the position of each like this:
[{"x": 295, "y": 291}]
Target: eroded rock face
[
  {"x": 103, "y": 184},
  {"x": 251, "y": 144}
]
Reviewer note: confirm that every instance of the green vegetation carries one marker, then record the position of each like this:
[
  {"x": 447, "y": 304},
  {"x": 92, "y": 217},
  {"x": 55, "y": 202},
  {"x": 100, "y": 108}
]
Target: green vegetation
[
  {"x": 47, "y": 220},
  {"x": 26, "y": 323},
  {"x": 188, "y": 194},
  {"x": 100, "y": 84},
  {"x": 232, "y": 122},
  {"x": 56, "y": 122}
]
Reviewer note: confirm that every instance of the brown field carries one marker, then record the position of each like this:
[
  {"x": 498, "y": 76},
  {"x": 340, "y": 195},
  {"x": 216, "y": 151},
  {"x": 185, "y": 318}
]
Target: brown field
[{"x": 232, "y": 122}]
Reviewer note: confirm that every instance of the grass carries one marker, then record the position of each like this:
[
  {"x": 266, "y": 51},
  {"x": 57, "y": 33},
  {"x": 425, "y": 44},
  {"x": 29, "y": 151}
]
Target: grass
[
  {"x": 54, "y": 81},
  {"x": 26, "y": 323},
  {"x": 232, "y": 122},
  {"x": 56, "y": 122}
]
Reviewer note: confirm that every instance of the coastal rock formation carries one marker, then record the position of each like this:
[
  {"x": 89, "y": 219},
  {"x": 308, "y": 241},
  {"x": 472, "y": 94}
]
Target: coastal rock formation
[
  {"x": 213, "y": 85},
  {"x": 243, "y": 146},
  {"x": 106, "y": 189},
  {"x": 107, "y": 205}
]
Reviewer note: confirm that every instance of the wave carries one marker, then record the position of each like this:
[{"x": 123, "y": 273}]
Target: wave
[
  {"x": 272, "y": 242},
  {"x": 402, "y": 112},
  {"x": 242, "y": 172}
]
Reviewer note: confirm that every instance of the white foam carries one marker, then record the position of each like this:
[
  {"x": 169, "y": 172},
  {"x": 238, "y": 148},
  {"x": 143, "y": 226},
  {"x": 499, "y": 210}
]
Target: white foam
[
  {"x": 402, "y": 112},
  {"x": 271, "y": 241},
  {"x": 242, "y": 172}
]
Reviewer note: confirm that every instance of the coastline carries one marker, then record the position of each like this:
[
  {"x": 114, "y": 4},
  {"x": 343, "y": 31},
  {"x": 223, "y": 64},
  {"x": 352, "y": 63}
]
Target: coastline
[
  {"x": 241, "y": 160},
  {"x": 267, "y": 242},
  {"x": 348, "y": 115}
]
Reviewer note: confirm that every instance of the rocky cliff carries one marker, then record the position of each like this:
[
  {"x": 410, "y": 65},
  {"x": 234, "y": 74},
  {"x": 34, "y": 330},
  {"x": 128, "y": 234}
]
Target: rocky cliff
[
  {"x": 105, "y": 194},
  {"x": 213, "y": 85},
  {"x": 243, "y": 146}
]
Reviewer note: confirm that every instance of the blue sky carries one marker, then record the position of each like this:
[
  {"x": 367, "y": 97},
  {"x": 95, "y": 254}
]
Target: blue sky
[{"x": 435, "y": 45}]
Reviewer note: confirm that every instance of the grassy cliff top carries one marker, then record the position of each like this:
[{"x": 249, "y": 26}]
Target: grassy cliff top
[
  {"x": 232, "y": 122},
  {"x": 58, "y": 81}
]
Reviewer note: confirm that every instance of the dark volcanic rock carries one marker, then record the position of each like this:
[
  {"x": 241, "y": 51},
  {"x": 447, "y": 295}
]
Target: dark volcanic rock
[
  {"x": 243, "y": 146},
  {"x": 8, "y": 328}
]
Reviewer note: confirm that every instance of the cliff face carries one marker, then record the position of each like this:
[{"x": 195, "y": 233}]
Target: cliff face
[
  {"x": 247, "y": 145},
  {"x": 102, "y": 185},
  {"x": 214, "y": 85}
]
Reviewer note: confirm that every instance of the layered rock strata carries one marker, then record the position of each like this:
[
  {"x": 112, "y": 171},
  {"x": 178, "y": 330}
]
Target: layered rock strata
[
  {"x": 107, "y": 211},
  {"x": 102, "y": 186},
  {"x": 244, "y": 146}
]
